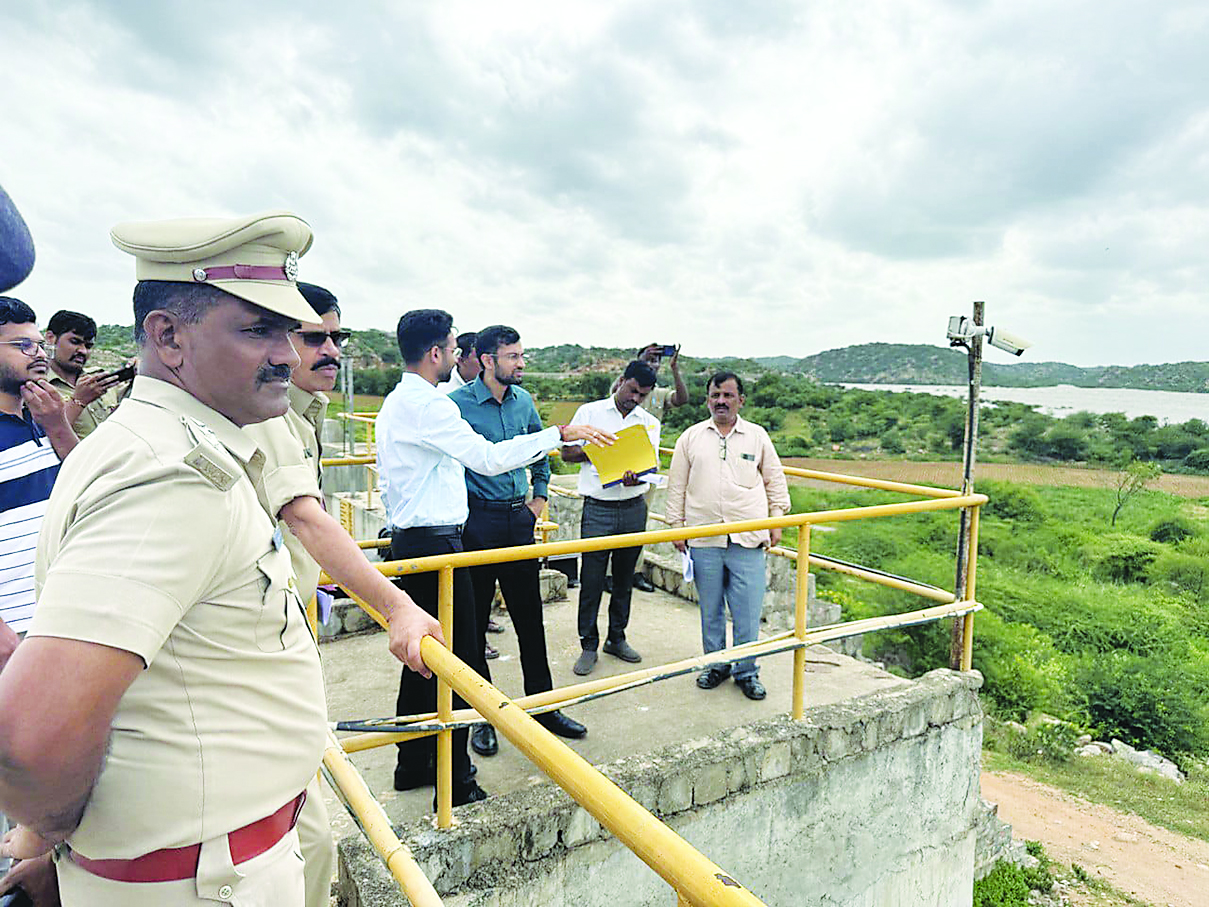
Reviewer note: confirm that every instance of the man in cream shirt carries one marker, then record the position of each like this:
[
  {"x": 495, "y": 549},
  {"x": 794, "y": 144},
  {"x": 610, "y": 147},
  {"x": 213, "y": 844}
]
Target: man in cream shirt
[{"x": 724, "y": 470}]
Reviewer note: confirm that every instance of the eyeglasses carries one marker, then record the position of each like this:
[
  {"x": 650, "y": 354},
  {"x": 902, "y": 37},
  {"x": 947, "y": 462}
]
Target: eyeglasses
[
  {"x": 722, "y": 447},
  {"x": 30, "y": 348},
  {"x": 318, "y": 338}
]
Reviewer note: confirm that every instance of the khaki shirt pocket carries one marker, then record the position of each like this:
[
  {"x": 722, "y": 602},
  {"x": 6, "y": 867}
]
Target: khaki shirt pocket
[
  {"x": 279, "y": 596},
  {"x": 745, "y": 472}
]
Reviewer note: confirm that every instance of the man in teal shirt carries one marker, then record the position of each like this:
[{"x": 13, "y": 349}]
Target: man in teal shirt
[{"x": 498, "y": 408}]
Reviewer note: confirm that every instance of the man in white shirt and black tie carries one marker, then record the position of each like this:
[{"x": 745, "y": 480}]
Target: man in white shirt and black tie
[{"x": 423, "y": 442}]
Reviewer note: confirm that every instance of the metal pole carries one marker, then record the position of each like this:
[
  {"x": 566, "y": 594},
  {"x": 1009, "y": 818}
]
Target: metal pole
[
  {"x": 445, "y": 705},
  {"x": 957, "y": 639},
  {"x": 967, "y": 637},
  {"x": 346, "y": 383},
  {"x": 801, "y": 600}
]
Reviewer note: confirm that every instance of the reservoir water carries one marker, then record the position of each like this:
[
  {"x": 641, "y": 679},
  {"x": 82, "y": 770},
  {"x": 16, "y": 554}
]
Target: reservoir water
[{"x": 1064, "y": 399}]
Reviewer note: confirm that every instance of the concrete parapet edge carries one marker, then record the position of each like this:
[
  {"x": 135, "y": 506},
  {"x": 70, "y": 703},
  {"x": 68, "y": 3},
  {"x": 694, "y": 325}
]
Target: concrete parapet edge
[{"x": 501, "y": 844}]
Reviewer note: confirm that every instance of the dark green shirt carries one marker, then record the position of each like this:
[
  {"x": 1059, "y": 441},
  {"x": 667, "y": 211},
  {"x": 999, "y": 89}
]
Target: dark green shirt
[{"x": 499, "y": 421}]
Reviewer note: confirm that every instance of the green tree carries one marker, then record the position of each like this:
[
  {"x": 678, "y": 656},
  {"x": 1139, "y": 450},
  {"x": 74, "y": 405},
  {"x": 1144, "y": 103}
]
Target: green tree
[{"x": 1131, "y": 480}]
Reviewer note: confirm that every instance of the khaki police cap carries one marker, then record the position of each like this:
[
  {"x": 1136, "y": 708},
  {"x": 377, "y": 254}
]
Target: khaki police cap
[{"x": 254, "y": 257}]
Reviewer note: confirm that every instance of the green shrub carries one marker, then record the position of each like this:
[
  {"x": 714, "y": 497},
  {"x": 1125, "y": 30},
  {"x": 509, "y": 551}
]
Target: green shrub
[
  {"x": 1039, "y": 878},
  {"x": 1149, "y": 702},
  {"x": 1003, "y": 886},
  {"x": 892, "y": 442},
  {"x": 1182, "y": 571},
  {"x": 1020, "y": 667},
  {"x": 1010, "y": 501},
  {"x": 1198, "y": 459},
  {"x": 1122, "y": 558},
  {"x": 1052, "y": 741},
  {"x": 1172, "y": 530}
]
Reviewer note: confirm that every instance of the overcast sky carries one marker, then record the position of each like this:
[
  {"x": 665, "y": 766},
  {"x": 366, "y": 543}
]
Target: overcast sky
[{"x": 747, "y": 178}]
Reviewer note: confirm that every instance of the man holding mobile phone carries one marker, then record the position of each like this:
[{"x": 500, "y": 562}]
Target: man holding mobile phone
[{"x": 90, "y": 398}]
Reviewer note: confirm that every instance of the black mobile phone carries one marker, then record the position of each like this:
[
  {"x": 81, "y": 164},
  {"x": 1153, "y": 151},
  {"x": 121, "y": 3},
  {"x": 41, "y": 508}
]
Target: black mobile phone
[
  {"x": 669, "y": 350},
  {"x": 15, "y": 898},
  {"x": 125, "y": 373}
]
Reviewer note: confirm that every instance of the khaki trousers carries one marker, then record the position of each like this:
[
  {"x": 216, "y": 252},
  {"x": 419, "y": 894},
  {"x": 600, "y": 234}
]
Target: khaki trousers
[
  {"x": 273, "y": 879},
  {"x": 318, "y": 850}
]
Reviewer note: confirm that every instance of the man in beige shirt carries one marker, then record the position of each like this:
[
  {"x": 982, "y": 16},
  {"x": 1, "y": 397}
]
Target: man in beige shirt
[
  {"x": 724, "y": 470},
  {"x": 288, "y": 489},
  {"x": 165, "y": 712},
  {"x": 90, "y": 398}
]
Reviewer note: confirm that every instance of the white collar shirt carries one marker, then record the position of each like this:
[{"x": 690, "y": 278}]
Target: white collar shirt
[
  {"x": 424, "y": 446},
  {"x": 603, "y": 414},
  {"x": 455, "y": 381}
]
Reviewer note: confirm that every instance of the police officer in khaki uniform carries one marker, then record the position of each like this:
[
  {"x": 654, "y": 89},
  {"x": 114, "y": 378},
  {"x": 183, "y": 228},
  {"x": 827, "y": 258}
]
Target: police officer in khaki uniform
[
  {"x": 91, "y": 398},
  {"x": 165, "y": 712},
  {"x": 289, "y": 491}
]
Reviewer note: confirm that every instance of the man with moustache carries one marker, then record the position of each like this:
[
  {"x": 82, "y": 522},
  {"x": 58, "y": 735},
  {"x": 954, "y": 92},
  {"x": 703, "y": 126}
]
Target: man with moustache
[
  {"x": 725, "y": 470},
  {"x": 90, "y": 398},
  {"x": 615, "y": 510},
  {"x": 288, "y": 488},
  {"x": 498, "y": 408},
  {"x": 424, "y": 447},
  {"x": 165, "y": 711}
]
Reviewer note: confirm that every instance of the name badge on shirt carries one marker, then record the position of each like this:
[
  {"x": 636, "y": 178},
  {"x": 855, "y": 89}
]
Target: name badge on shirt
[
  {"x": 747, "y": 456},
  {"x": 278, "y": 539}
]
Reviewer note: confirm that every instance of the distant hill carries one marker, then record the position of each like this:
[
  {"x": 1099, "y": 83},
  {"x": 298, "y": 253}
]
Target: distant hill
[
  {"x": 898, "y": 363},
  {"x": 869, "y": 363}
]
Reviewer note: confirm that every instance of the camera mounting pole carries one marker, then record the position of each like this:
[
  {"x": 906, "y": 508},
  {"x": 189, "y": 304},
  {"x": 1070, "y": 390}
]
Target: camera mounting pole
[{"x": 973, "y": 345}]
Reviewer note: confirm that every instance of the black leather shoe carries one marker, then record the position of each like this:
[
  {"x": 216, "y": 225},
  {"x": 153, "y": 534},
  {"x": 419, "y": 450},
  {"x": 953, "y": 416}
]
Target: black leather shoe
[
  {"x": 751, "y": 687},
  {"x": 409, "y": 779},
  {"x": 483, "y": 740},
  {"x": 711, "y": 677},
  {"x": 560, "y": 724},
  {"x": 463, "y": 794},
  {"x": 642, "y": 584}
]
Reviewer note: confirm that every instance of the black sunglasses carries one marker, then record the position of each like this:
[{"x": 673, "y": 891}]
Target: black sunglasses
[{"x": 318, "y": 338}]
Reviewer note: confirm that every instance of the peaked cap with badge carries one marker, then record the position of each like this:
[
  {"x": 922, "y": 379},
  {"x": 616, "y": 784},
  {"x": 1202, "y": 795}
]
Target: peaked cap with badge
[{"x": 253, "y": 257}]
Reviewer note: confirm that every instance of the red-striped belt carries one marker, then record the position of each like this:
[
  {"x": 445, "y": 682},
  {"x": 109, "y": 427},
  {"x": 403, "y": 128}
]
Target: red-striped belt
[{"x": 175, "y": 863}]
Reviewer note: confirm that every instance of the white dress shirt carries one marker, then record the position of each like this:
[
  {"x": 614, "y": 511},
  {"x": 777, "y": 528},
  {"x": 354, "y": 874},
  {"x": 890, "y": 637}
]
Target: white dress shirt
[
  {"x": 423, "y": 442},
  {"x": 603, "y": 414},
  {"x": 455, "y": 381}
]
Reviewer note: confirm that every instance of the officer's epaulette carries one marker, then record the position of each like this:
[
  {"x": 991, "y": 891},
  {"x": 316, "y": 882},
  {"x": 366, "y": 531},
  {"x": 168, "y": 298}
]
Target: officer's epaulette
[
  {"x": 204, "y": 462},
  {"x": 204, "y": 458}
]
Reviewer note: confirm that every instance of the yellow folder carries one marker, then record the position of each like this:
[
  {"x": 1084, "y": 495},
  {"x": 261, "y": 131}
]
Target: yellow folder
[{"x": 631, "y": 452}]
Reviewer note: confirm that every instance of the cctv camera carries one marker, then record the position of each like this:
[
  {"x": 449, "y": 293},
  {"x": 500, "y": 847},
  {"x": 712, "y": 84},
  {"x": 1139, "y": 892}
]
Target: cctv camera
[{"x": 1009, "y": 343}]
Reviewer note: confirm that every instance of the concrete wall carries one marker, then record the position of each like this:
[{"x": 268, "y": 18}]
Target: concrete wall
[{"x": 872, "y": 801}]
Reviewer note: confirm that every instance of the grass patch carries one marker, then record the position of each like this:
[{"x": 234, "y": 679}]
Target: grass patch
[{"x": 1112, "y": 782}]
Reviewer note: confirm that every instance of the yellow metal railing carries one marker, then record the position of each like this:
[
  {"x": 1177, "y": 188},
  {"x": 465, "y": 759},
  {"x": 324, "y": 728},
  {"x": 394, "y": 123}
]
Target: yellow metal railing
[{"x": 694, "y": 878}]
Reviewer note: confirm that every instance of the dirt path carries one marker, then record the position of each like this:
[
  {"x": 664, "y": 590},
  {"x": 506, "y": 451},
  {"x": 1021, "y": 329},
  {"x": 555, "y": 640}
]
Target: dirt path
[
  {"x": 949, "y": 474},
  {"x": 1150, "y": 863}
]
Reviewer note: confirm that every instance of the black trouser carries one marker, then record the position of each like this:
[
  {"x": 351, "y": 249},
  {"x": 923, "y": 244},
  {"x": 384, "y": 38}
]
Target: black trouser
[
  {"x": 417, "y": 694},
  {"x": 608, "y": 518},
  {"x": 499, "y": 525}
]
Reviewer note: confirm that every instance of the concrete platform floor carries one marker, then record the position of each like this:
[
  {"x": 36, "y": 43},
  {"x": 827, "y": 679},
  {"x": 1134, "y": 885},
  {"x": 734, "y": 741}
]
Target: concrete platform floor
[{"x": 362, "y": 682}]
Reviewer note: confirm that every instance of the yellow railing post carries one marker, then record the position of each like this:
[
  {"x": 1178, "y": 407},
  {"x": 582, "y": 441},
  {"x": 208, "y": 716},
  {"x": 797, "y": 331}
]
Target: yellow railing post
[
  {"x": 967, "y": 629},
  {"x": 377, "y": 828},
  {"x": 445, "y": 705},
  {"x": 801, "y": 601}
]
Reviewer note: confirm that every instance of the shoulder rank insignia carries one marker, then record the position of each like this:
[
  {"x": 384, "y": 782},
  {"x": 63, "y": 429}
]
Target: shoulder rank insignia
[{"x": 205, "y": 463}]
